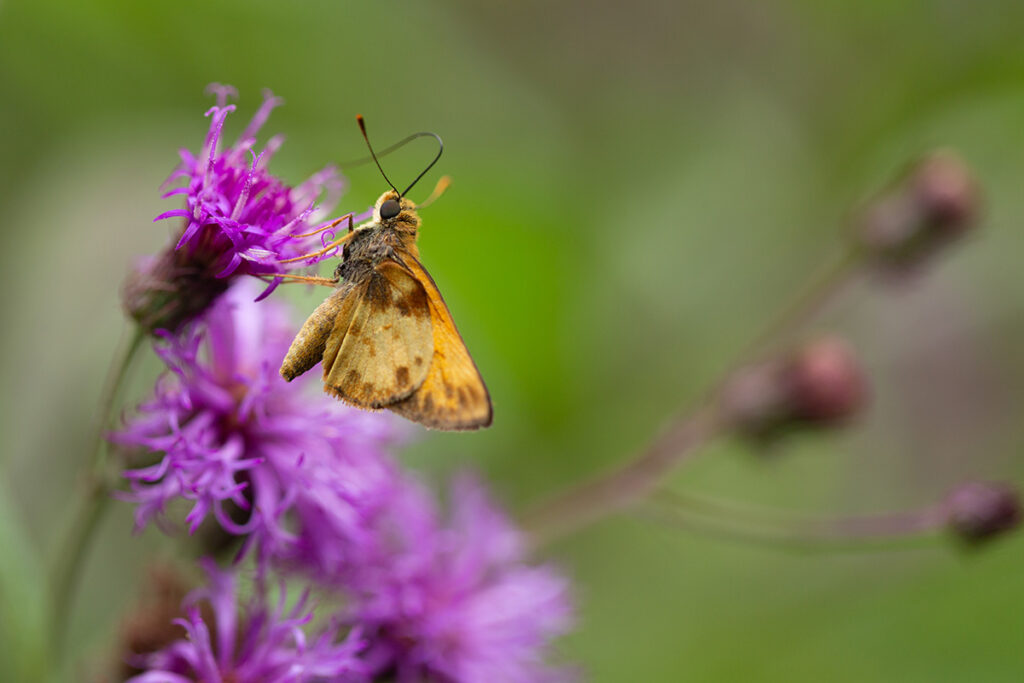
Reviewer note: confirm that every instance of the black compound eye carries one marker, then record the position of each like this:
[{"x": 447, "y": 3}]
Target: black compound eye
[{"x": 389, "y": 209}]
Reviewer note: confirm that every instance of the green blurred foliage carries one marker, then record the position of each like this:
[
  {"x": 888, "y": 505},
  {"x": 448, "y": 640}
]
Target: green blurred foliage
[{"x": 637, "y": 187}]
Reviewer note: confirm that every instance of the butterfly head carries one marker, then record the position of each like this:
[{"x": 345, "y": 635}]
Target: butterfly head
[{"x": 396, "y": 212}]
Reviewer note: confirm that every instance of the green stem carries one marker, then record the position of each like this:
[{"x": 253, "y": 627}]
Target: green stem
[
  {"x": 613, "y": 491},
  {"x": 72, "y": 553},
  {"x": 820, "y": 289},
  {"x": 894, "y": 531}
]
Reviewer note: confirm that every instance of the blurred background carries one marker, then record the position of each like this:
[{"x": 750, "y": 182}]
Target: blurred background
[{"x": 637, "y": 187}]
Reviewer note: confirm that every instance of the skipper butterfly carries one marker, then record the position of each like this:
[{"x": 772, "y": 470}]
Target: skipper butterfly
[{"x": 385, "y": 336}]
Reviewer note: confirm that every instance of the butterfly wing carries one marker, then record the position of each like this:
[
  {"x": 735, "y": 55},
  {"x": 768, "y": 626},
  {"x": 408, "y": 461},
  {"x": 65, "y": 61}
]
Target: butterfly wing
[
  {"x": 308, "y": 348},
  {"x": 381, "y": 347},
  {"x": 453, "y": 394}
]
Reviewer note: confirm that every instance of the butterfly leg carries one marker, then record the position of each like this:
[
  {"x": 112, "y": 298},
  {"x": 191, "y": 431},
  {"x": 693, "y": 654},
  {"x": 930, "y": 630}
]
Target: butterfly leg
[
  {"x": 325, "y": 281},
  {"x": 327, "y": 227},
  {"x": 336, "y": 243}
]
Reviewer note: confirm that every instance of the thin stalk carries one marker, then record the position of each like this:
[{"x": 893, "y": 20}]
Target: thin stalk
[
  {"x": 820, "y": 289},
  {"x": 613, "y": 491},
  {"x": 894, "y": 531},
  {"x": 72, "y": 553}
]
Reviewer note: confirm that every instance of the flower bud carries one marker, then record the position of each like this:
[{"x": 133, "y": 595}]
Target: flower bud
[
  {"x": 936, "y": 202},
  {"x": 149, "y": 626},
  {"x": 166, "y": 291},
  {"x": 820, "y": 384},
  {"x": 978, "y": 511}
]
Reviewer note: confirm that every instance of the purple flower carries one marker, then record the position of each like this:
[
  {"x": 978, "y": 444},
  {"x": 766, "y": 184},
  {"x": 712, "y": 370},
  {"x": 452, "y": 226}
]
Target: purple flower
[
  {"x": 455, "y": 602},
  {"x": 237, "y": 219},
  {"x": 258, "y": 454},
  {"x": 259, "y": 645}
]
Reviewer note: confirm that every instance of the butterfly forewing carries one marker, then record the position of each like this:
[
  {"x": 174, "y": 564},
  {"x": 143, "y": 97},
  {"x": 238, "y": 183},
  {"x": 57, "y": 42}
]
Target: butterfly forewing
[
  {"x": 453, "y": 394},
  {"x": 382, "y": 345}
]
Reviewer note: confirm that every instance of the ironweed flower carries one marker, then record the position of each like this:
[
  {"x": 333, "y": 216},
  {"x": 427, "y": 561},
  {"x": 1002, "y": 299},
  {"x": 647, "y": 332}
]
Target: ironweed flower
[
  {"x": 456, "y": 601},
  {"x": 238, "y": 219},
  {"x": 261, "y": 456},
  {"x": 225, "y": 644}
]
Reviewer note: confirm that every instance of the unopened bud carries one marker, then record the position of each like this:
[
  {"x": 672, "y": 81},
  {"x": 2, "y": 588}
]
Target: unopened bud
[
  {"x": 978, "y": 511},
  {"x": 820, "y": 384},
  {"x": 168, "y": 290},
  {"x": 935, "y": 203},
  {"x": 149, "y": 626}
]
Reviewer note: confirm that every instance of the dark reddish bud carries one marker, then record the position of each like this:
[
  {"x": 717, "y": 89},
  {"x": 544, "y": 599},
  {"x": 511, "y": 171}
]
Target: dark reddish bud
[
  {"x": 978, "y": 511},
  {"x": 150, "y": 626},
  {"x": 820, "y": 384},
  {"x": 936, "y": 202},
  {"x": 825, "y": 382},
  {"x": 167, "y": 291}
]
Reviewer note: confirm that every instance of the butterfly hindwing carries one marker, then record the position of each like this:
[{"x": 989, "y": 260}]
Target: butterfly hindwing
[
  {"x": 381, "y": 348},
  {"x": 453, "y": 394}
]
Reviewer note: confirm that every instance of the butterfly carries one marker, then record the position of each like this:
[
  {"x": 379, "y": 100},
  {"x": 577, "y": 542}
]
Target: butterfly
[{"x": 385, "y": 335}]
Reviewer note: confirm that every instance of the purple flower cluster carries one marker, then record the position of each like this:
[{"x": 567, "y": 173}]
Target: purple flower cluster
[
  {"x": 311, "y": 487},
  {"x": 259, "y": 644},
  {"x": 238, "y": 219},
  {"x": 455, "y": 601},
  {"x": 240, "y": 444},
  {"x": 306, "y": 482},
  {"x": 237, "y": 211}
]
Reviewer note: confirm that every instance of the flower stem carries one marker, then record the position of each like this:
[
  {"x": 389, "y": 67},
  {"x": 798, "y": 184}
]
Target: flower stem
[
  {"x": 833, "y": 275},
  {"x": 96, "y": 497},
  {"x": 893, "y": 531},
  {"x": 615, "y": 490}
]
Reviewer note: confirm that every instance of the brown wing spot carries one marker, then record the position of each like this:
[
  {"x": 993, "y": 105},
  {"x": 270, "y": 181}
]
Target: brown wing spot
[
  {"x": 449, "y": 390},
  {"x": 371, "y": 349},
  {"x": 418, "y": 360},
  {"x": 428, "y": 403},
  {"x": 368, "y": 388},
  {"x": 463, "y": 397},
  {"x": 378, "y": 293},
  {"x": 402, "y": 375},
  {"x": 352, "y": 377}
]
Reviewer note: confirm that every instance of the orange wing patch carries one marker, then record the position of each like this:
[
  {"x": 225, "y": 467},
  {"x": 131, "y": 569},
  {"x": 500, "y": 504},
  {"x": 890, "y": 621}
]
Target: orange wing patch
[
  {"x": 381, "y": 348},
  {"x": 453, "y": 395}
]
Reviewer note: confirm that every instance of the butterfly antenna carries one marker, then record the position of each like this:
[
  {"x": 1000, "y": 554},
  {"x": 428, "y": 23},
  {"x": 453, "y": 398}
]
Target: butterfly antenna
[
  {"x": 440, "y": 151},
  {"x": 362, "y": 127},
  {"x": 384, "y": 152}
]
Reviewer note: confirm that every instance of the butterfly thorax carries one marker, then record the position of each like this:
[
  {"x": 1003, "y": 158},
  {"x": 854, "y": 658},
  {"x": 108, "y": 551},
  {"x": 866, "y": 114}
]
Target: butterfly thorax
[{"x": 379, "y": 241}]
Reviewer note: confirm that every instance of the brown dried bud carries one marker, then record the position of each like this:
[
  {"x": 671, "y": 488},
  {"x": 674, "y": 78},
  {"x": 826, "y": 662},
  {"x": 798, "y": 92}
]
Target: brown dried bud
[
  {"x": 149, "y": 626},
  {"x": 166, "y": 291},
  {"x": 978, "y": 511},
  {"x": 819, "y": 384},
  {"x": 933, "y": 204}
]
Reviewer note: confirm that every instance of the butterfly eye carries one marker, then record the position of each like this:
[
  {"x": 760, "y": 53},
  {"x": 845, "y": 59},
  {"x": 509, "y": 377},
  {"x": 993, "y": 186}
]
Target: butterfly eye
[{"x": 389, "y": 209}]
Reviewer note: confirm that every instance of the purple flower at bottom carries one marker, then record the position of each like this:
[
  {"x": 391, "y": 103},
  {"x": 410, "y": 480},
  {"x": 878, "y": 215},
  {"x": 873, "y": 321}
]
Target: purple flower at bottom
[
  {"x": 261, "y": 456},
  {"x": 259, "y": 645},
  {"x": 455, "y": 602}
]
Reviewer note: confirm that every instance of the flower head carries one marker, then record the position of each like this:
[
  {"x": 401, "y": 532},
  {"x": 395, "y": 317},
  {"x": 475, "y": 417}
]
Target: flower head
[
  {"x": 238, "y": 219},
  {"x": 260, "y": 455},
  {"x": 455, "y": 602},
  {"x": 258, "y": 645}
]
